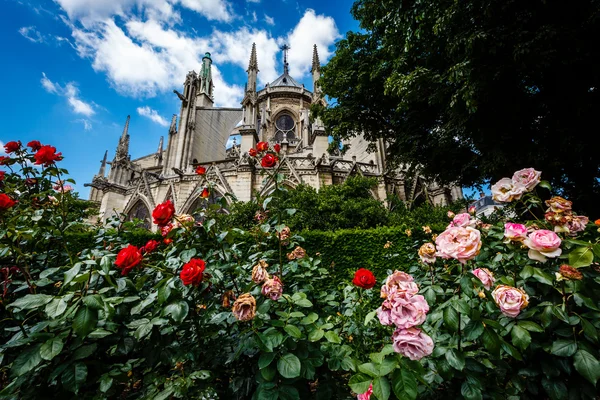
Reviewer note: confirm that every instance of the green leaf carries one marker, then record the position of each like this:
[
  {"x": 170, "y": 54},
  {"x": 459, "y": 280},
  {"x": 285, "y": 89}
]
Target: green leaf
[
  {"x": 265, "y": 359},
  {"x": 178, "y": 311},
  {"x": 587, "y": 365},
  {"x": 55, "y": 308},
  {"x": 70, "y": 274},
  {"x": 589, "y": 303},
  {"x": 360, "y": 383},
  {"x": 293, "y": 331},
  {"x": 461, "y": 306},
  {"x": 543, "y": 277},
  {"x": 456, "y": 359},
  {"x": 511, "y": 350},
  {"x": 473, "y": 330},
  {"x": 289, "y": 366},
  {"x": 369, "y": 369},
  {"x": 451, "y": 318},
  {"x": 470, "y": 391},
  {"x": 530, "y": 326},
  {"x": 581, "y": 257},
  {"x": 85, "y": 321},
  {"x": 404, "y": 384},
  {"x": 94, "y": 301},
  {"x": 560, "y": 314},
  {"x": 309, "y": 319},
  {"x": 186, "y": 255},
  {"x": 491, "y": 341},
  {"x": 527, "y": 272},
  {"x": 545, "y": 185},
  {"x": 381, "y": 388},
  {"x": 332, "y": 337},
  {"x": 555, "y": 389},
  {"x": 269, "y": 372},
  {"x": 288, "y": 393},
  {"x": 303, "y": 303},
  {"x": 370, "y": 316},
  {"x": 51, "y": 348},
  {"x": 30, "y": 301},
  {"x": 143, "y": 330},
  {"x": 74, "y": 377},
  {"x": 26, "y": 361},
  {"x": 316, "y": 335},
  {"x": 105, "y": 383},
  {"x": 589, "y": 330},
  {"x": 563, "y": 348},
  {"x": 520, "y": 337},
  {"x": 47, "y": 272}
]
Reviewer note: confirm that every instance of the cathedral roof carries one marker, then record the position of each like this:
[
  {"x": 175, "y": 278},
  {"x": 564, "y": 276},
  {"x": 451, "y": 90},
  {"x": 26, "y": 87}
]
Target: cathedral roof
[{"x": 285, "y": 80}]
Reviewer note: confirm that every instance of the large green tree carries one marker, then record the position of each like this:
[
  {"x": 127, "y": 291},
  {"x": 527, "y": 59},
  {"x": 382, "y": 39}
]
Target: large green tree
[{"x": 470, "y": 91}]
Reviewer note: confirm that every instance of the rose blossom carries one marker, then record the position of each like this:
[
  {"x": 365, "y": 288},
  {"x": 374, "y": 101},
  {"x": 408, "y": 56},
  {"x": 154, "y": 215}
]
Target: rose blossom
[
  {"x": 205, "y": 193},
  {"x": 412, "y": 343},
  {"x": 364, "y": 278},
  {"x": 427, "y": 253},
  {"x": 163, "y": 213},
  {"x": 472, "y": 210},
  {"x": 366, "y": 395},
  {"x": 459, "y": 243},
  {"x": 252, "y": 152},
  {"x": 6, "y": 202},
  {"x": 451, "y": 215},
  {"x": 185, "y": 219},
  {"x": 272, "y": 288},
  {"x": 505, "y": 190},
  {"x": 460, "y": 220},
  {"x": 150, "y": 246},
  {"x": 284, "y": 234},
  {"x": 244, "y": 308},
  {"x": 299, "y": 252},
  {"x": 4, "y": 160},
  {"x": 2, "y": 173},
  {"x": 35, "y": 145},
  {"x": 46, "y": 155},
  {"x": 128, "y": 258},
  {"x": 12, "y": 146},
  {"x": 269, "y": 161},
  {"x": 200, "y": 170},
  {"x": 515, "y": 232},
  {"x": 192, "y": 272},
  {"x": 577, "y": 224},
  {"x": 543, "y": 243},
  {"x": 259, "y": 272},
  {"x": 277, "y": 148},
  {"x": 403, "y": 311},
  {"x": 527, "y": 178},
  {"x": 399, "y": 282},
  {"x": 510, "y": 300},
  {"x": 262, "y": 146},
  {"x": 566, "y": 272},
  {"x": 558, "y": 205},
  {"x": 485, "y": 276}
]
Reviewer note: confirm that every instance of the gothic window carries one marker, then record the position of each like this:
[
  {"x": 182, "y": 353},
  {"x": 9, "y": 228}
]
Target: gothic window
[
  {"x": 200, "y": 203},
  {"x": 285, "y": 128},
  {"x": 141, "y": 212}
]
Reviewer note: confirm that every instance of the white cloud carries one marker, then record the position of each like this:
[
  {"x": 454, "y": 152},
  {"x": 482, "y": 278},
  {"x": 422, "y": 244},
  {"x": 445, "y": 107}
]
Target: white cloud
[
  {"x": 152, "y": 115},
  {"x": 87, "y": 124},
  {"x": 312, "y": 29},
  {"x": 253, "y": 1},
  {"x": 71, "y": 92},
  {"x": 32, "y": 34},
  {"x": 254, "y": 17},
  {"x": 218, "y": 10},
  {"x": 50, "y": 86},
  {"x": 269, "y": 20}
]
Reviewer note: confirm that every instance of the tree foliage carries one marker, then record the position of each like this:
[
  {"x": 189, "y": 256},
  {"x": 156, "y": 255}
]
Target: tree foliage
[{"x": 470, "y": 91}]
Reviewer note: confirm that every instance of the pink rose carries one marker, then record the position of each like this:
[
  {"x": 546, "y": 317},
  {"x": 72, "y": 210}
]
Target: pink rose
[
  {"x": 459, "y": 243},
  {"x": 272, "y": 288},
  {"x": 472, "y": 210},
  {"x": 505, "y": 190},
  {"x": 527, "y": 178},
  {"x": 451, "y": 215},
  {"x": 460, "y": 220},
  {"x": 403, "y": 311},
  {"x": 366, "y": 395},
  {"x": 485, "y": 276},
  {"x": 427, "y": 253},
  {"x": 399, "y": 282},
  {"x": 577, "y": 224},
  {"x": 543, "y": 243},
  {"x": 516, "y": 232},
  {"x": 412, "y": 343},
  {"x": 510, "y": 300}
]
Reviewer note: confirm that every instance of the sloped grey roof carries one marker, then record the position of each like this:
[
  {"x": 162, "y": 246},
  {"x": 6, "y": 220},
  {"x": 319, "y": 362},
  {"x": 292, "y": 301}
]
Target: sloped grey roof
[{"x": 285, "y": 80}]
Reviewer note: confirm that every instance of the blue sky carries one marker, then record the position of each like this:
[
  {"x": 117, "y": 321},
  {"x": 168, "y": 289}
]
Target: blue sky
[{"x": 72, "y": 70}]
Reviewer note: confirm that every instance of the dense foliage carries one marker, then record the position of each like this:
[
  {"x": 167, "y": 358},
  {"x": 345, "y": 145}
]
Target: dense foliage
[
  {"x": 468, "y": 90},
  {"x": 211, "y": 311}
]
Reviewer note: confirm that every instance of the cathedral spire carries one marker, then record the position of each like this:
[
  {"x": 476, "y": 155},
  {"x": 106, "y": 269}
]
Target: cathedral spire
[
  {"x": 253, "y": 64},
  {"x": 286, "y": 66},
  {"x": 159, "y": 152},
  {"x": 206, "y": 82},
  {"x": 123, "y": 147},
  {"x": 316, "y": 64},
  {"x": 102, "y": 170},
  {"x": 173, "y": 127}
]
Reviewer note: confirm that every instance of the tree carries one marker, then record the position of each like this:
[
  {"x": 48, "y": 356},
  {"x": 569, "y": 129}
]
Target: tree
[{"x": 468, "y": 92}]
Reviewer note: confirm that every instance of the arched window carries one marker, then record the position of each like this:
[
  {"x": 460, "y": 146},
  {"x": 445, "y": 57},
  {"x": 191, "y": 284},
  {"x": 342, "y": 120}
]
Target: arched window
[
  {"x": 285, "y": 127},
  {"x": 214, "y": 198},
  {"x": 141, "y": 212}
]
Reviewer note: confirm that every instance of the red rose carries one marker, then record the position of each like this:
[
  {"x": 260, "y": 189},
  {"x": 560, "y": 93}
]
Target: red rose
[
  {"x": 205, "y": 193},
  {"x": 6, "y": 202},
  {"x": 201, "y": 170},
  {"x": 163, "y": 213},
  {"x": 277, "y": 148},
  {"x": 167, "y": 241},
  {"x": 252, "y": 152},
  {"x": 269, "y": 160},
  {"x": 364, "y": 278},
  {"x": 12, "y": 146},
  {"x": 262, "y": 146},
  {"x": 128, "y": 258},
  {"x": 35, "y": 145},
  {"x": 47, "y": 155},
  {"x": 2, "y": 173},
  {"x": 151, "y": 246},
  {"x": 4, "y": 160},
  {"x": 191, "y": 274}
]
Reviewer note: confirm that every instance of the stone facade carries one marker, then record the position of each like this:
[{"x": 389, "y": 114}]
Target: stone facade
[{"x": 278, "y": 113}]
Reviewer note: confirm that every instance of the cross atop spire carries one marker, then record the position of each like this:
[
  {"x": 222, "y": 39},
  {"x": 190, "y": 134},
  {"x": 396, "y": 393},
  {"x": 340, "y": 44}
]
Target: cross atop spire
[
  {"x": 285, "y": 49},
  {"x": 253, "y": 64},
  {"x": 316, "y": 64}
]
